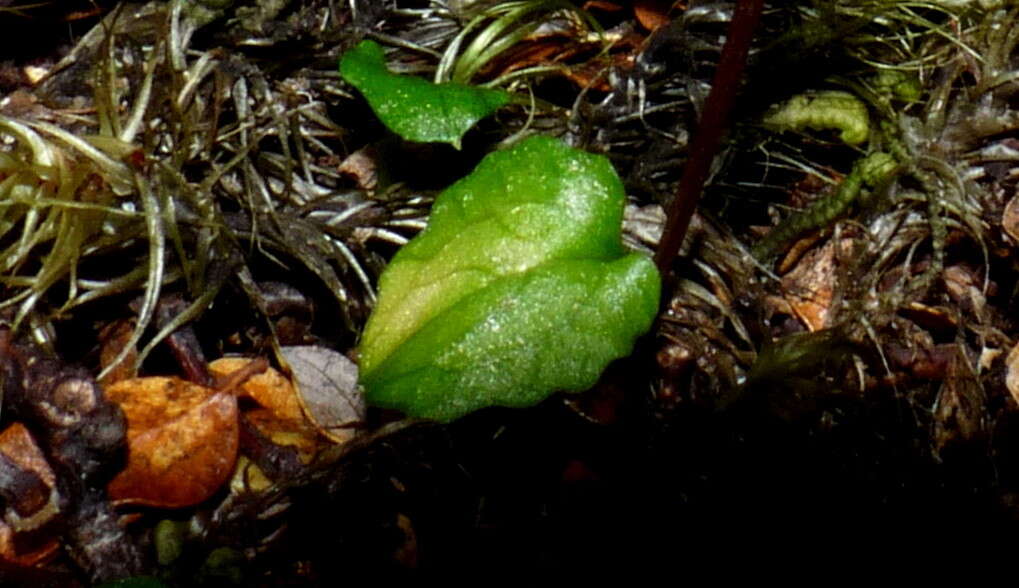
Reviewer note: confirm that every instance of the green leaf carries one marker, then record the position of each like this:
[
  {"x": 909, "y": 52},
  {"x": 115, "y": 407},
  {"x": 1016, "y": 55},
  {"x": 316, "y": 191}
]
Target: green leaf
[
  {"x": 519, "y": 287},
  {"x": 414, "y": 108},
  {"x": 829, "y": 109}
]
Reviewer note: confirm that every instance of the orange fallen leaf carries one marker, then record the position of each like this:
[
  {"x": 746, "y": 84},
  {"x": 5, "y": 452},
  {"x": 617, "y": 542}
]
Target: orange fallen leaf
[
  {"x": 14, "y": 553},
  {"x": 809, "y": 286},
  {"x": 652, "y": 14},
  {"x": 601, "y": 5},
  {"x": 270, "y": 389},
  {"x": 182, "y": 441},
  {"x": 1012, "y": 373},
  {"x": 279, "y": 415},
  {"x": 17, "y": 444},
  {"x": 301, "y": 435}
]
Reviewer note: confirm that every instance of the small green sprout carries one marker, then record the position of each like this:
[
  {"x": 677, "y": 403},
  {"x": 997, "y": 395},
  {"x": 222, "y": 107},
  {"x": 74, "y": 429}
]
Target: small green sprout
[
  {"x": 898, "y": 85},
  {"x": 414, "y": 108},
  {"x": 870, "y": 171},
  {"x": 831, "y": 109}
]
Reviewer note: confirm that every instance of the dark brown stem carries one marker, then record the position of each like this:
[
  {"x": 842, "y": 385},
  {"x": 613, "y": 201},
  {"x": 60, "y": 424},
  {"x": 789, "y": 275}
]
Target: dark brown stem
[{"x": 709, "y": 133}]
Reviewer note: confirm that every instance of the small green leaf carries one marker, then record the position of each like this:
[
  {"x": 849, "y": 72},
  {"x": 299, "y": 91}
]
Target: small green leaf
[
  {"x": 519, "y": 287},
  {"x": 414, "y": 108},
  {"x": 829, "y": 109}
]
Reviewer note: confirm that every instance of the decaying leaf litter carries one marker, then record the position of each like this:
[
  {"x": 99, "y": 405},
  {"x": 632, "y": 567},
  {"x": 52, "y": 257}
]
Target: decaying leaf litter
[{"x": 193, "y": 180}]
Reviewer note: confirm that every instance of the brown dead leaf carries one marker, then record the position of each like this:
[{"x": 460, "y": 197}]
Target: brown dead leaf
[
  {"x": 182, "y": 441},
  {"x": 584, "y": 63},
  {"x": 326, "y": 383},
  {"x": 551, "y": 49},
  {"x": 810, "y": 285},
  {"x": 603, "y": 5},
  {"x": 17, "y": 553},
  {"x": 797, "y": 251},
  {"x": 960, "y": 411},
  {"x": 299, "y": 434},
  {"x": 40, "y": 504},
  {"x": 407, "y": 554},
  {"x": 112, "y": 339},
  {"x": 937, "y": 318},
  {"x": 362, "y": 166},
  {"x": 652, "y": 14},
  {"x": 1010, "y": 218},
  {"x": 17, "y": 443},
  {"x": 592, "y": 74},
  {"x": 1012, "y": 373},
  {"x": 270, "y": 389},
  {"x": 279, "y": 416},
  {"x": 966, "y": 288}
]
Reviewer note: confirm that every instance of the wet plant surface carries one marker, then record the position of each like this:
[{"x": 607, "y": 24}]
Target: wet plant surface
[{"x": 832, "y": 372}]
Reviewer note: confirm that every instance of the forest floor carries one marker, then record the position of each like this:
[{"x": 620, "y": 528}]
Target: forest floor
[{"x": 185, "y": 184}]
